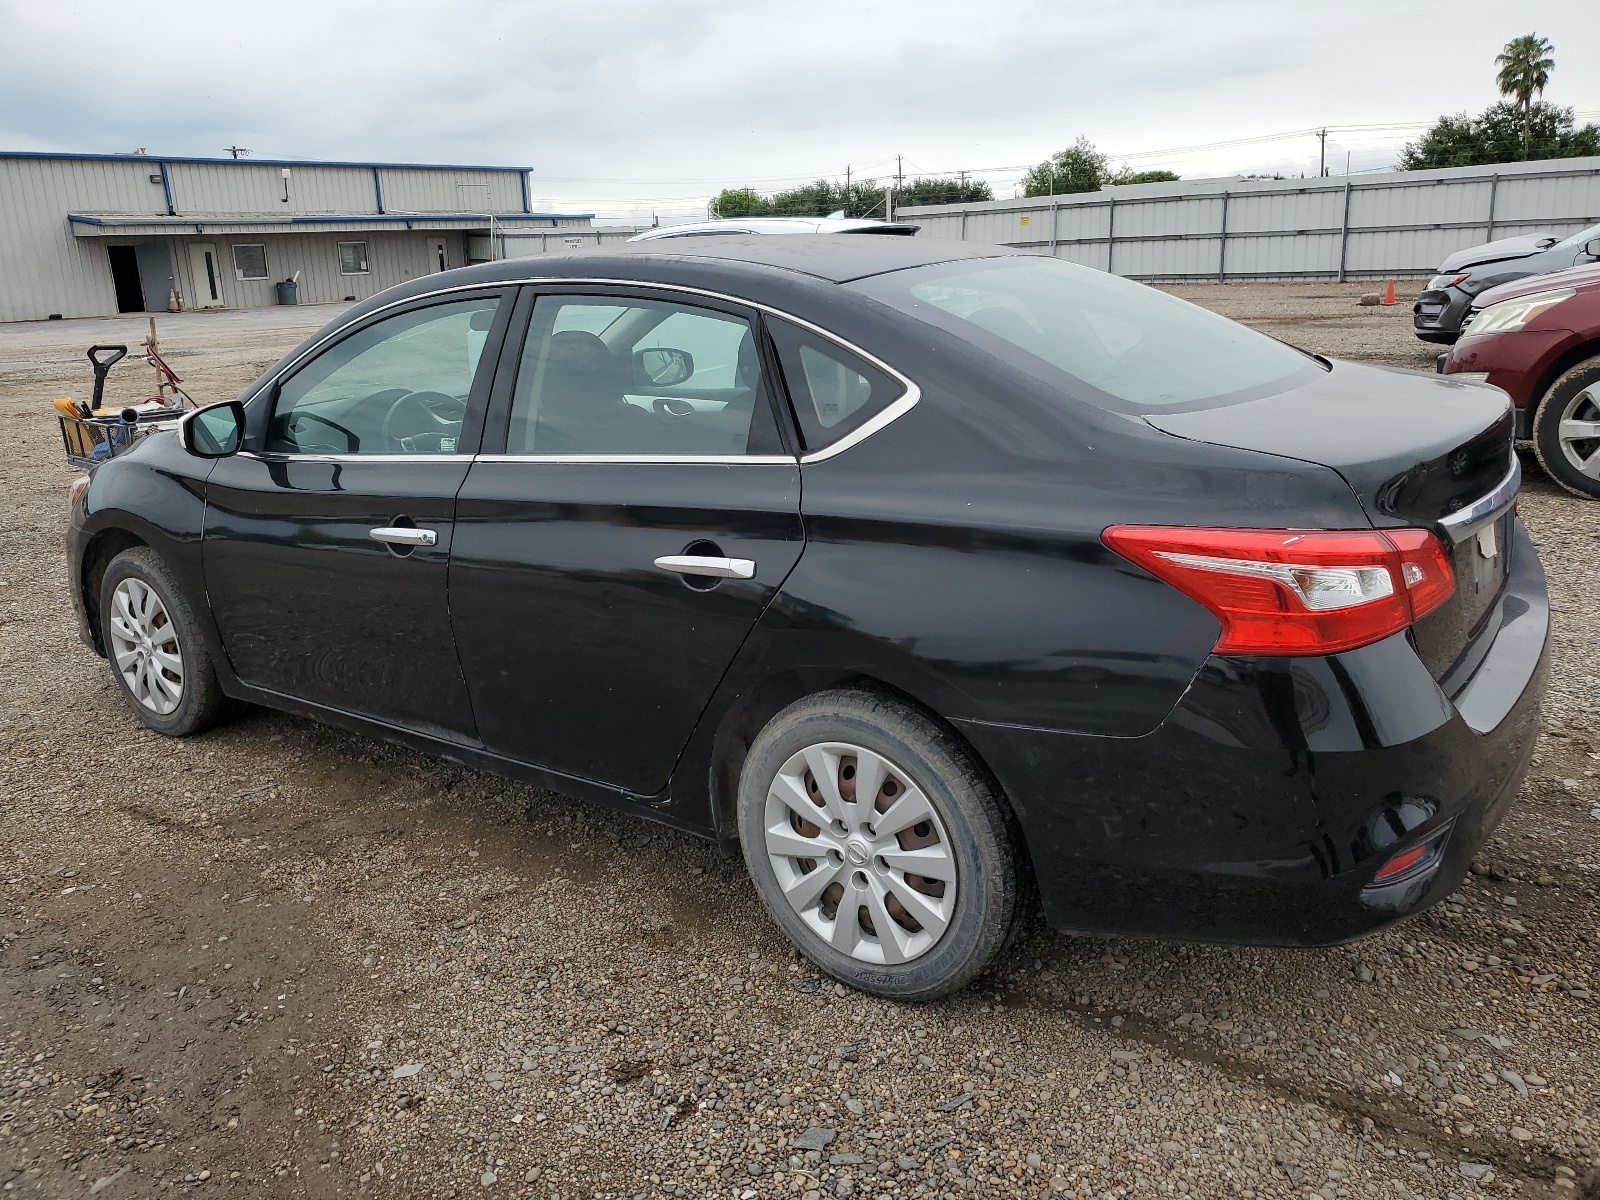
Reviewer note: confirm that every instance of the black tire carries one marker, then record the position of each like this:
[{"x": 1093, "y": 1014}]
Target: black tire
[
  {"x": 990, "y": 882},
  {"x": 1566, "y": 399},
  {"x": 201, "y": 702}
]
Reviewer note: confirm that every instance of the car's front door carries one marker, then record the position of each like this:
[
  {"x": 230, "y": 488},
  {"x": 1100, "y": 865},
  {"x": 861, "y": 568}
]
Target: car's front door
[
  {"x": 613, "y": 555},
  {"x": 327, "y": 540}
]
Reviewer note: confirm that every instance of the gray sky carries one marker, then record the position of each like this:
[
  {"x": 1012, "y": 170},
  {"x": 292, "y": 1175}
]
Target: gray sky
[{"x": 630, "y": 106}]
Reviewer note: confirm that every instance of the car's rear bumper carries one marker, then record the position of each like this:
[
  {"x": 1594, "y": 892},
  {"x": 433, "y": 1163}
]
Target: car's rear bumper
[
  {"x": 1261, "y": 809},
  {"x": 1437, "y": 314}
]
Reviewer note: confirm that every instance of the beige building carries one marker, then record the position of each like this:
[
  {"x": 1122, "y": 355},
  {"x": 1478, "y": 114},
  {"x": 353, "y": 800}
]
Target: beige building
[{"x": 86, "y": 235}]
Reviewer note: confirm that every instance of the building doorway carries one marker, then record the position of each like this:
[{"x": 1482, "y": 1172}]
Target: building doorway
[
  {"x": 207, "y": 275},
  {"x": 125, "y": 278}
]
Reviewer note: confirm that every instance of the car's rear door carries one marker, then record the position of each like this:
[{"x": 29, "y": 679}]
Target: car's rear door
[
  {"x": 327, "y": 540},
  {"x": 588, "y": 650}
]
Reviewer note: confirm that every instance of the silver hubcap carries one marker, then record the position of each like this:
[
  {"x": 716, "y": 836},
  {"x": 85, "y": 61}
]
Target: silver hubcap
[
  {"x": 1579, "y": 431},
  {"x": 860, "y": 853},
  {"x": 144, "y": 646}
]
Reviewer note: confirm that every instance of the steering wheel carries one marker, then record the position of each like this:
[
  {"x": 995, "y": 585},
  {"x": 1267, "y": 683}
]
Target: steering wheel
[
  {"x": 422, "y": 414},
  {"x": 304, "y": 445}
]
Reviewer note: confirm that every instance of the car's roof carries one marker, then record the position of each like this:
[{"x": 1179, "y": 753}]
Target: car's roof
[
  {"x": 821, "y": 256},
  {"x": 777, "y": 225}
]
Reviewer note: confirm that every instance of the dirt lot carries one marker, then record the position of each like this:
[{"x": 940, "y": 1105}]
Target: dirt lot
[{"x": 281, "y": 960}]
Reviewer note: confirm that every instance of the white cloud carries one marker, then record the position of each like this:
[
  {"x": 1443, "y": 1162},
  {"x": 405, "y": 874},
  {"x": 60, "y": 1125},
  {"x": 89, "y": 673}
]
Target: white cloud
[{"x": 662, "y": 103}]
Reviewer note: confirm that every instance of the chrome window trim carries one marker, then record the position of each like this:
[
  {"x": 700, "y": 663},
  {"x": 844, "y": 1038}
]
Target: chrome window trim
[
  {"x": 665, "y": 459},
  {"x": 1465, "y": 522},
  {"x": 892, "y": 412},
  {"x": 287, "y": 456}
]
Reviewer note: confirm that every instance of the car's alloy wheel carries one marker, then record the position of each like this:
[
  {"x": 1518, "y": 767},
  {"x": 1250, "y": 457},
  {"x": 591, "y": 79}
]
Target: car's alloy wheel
[
  {"x": 861, "y": 855},
  {"x": 1567, "y": 430},
  {"x": 158, "y": 656},
  {"x": 1579, "y": 431},
  {"x": 879, "y": 845},
  {"x": 144, "y": 646}
]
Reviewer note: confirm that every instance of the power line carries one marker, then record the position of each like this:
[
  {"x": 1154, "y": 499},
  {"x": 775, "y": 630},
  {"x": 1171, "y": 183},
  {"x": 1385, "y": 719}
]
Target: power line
[{"x": 1392, "y": 130}]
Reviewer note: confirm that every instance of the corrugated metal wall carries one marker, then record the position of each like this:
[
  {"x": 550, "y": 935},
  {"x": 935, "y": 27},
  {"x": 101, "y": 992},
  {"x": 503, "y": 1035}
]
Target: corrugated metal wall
[
  {"x": 46, "y": 269},
  {"x": 451, "y": 192},
  {"x": 43, "y": 268},
  {"x": 392, "y": 257},
  {"x": 1402, "y": 223}
]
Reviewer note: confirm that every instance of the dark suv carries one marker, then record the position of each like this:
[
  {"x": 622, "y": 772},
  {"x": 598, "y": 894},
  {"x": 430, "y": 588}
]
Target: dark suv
[{"x": 1444, "y": 303}]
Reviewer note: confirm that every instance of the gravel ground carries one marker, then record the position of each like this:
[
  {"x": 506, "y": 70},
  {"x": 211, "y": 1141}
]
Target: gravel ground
[{"x": 283, "y": 960}]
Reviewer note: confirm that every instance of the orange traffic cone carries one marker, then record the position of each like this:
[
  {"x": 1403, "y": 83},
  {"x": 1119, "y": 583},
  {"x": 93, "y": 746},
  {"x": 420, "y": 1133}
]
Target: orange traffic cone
[{"x": 1388, "y": 293}]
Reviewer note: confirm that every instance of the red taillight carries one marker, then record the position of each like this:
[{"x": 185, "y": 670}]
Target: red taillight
[
  {"x": 1401, "y": 863},
  {"x": 1294, "y": 591}
]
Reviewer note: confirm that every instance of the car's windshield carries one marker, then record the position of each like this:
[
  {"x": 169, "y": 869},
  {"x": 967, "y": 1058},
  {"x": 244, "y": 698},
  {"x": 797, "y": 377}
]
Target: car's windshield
[
  {"x": 1578, "y": 239},
  {"x": 1132, "y": 346}
]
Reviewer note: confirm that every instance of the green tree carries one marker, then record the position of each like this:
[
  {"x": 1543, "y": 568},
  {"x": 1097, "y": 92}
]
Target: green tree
[
  {"x": 942, "y": 191},
  {"x": 1079, "y": 168},
  {"x": 1525, "y": 65},
  {"x": 1500, "y": 134},
  {"x": 1082, "y": 168},
  {"x": 1129, "y": 175},
  {"x": 740, "y": 202},
  {"x": 861, "y": 198}
]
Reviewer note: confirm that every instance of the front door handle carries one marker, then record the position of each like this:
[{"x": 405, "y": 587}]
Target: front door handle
[
  {"x": 403, "y": 535},
  {"x": 700, "y": 564}
]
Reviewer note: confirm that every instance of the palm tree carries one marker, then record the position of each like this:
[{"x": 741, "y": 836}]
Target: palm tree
[{"x": 1525, "y": 65}]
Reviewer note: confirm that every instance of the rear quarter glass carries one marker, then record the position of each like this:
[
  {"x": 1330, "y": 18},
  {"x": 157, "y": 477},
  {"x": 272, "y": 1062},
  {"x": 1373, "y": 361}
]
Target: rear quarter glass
[{"x": 1095, "y": 337}]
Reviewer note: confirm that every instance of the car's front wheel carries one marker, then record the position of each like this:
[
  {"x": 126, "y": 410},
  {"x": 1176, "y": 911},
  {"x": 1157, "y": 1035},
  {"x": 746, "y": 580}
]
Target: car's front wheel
[
  {"x": 878, "y": 846},
  {"x": 153, "y": 644},
  {"x": 1566, "y": 430}
]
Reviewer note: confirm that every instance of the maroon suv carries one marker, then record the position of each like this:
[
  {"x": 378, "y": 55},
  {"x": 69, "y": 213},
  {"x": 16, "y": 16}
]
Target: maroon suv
[{"x": 1539, "y": 339}]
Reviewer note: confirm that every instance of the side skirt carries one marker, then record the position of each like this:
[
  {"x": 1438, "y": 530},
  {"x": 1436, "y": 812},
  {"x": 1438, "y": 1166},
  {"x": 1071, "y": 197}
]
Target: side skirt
[{"x": 657, "y": 808}]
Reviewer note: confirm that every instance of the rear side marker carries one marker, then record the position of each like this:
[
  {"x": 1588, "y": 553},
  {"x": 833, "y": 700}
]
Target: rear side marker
[
  {"x": 1405, "y": 877},
  {"x": 1295, "y": 591}
]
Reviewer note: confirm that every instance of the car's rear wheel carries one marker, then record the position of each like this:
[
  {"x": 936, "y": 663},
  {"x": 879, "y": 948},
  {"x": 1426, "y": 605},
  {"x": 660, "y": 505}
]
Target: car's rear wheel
[
  {"x": 878, "y": 846},
  {"x": 153, "y": 644},
  {"x": 1566, "y": 433}
]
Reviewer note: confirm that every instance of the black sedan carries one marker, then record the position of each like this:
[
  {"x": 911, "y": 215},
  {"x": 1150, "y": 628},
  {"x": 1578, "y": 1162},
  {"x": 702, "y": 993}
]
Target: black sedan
[{"x": 928, "y": 576}]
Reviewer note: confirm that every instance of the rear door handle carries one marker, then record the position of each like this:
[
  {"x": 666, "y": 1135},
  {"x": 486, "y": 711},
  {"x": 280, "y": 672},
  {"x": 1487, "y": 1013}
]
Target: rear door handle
[
  {"x": 717, "y": 568},
  {"x": 403, "y": 535}
]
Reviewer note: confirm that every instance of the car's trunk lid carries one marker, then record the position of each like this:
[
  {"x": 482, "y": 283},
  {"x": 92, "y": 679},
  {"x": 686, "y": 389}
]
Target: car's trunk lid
[{"x": 1418, "y": 450}]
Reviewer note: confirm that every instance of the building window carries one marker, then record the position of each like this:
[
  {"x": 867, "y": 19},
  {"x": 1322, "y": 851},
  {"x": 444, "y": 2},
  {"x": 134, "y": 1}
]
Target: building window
[
  {"x": 352, "y": 258},
  {"x": 250, "y": 262}
]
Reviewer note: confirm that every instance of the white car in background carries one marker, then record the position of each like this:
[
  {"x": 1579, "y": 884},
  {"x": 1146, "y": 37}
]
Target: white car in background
[{"x": 829, "y": 224}]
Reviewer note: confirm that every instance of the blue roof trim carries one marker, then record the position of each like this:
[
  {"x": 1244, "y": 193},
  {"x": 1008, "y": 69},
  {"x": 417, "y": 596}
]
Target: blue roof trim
[
  {"x": 264, "y": 162},
  {"x": 388, "y": 219}
]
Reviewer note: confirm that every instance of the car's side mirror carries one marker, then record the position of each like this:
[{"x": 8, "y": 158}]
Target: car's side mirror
[
  {"x": 214, "y": 432},
  {"x": 662, "y": 366},
  {"x": 1592, "y": 248}
]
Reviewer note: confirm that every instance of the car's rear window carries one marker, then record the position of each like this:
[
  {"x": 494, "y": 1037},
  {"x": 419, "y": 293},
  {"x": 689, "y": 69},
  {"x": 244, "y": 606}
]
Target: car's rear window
[{"x": 1124, "y": 345}]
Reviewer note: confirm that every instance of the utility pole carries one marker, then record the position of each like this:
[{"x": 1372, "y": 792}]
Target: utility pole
[
  {"x": 846, "y": 205},
  {"x": 236, "y": 151},
  {"x": 1322, "y": 138}
]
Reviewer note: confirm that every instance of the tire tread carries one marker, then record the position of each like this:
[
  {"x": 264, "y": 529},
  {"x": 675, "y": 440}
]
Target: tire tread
[
  {"x": 204, "y": 704},
  {"x": 1555, "y": 466}
]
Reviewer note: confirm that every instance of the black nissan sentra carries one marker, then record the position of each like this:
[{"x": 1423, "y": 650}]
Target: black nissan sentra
[{"x": 929, "y": 576}]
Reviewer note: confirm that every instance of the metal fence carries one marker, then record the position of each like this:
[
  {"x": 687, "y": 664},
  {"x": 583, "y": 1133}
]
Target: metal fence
[{"x": 1351, "y": 227}]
